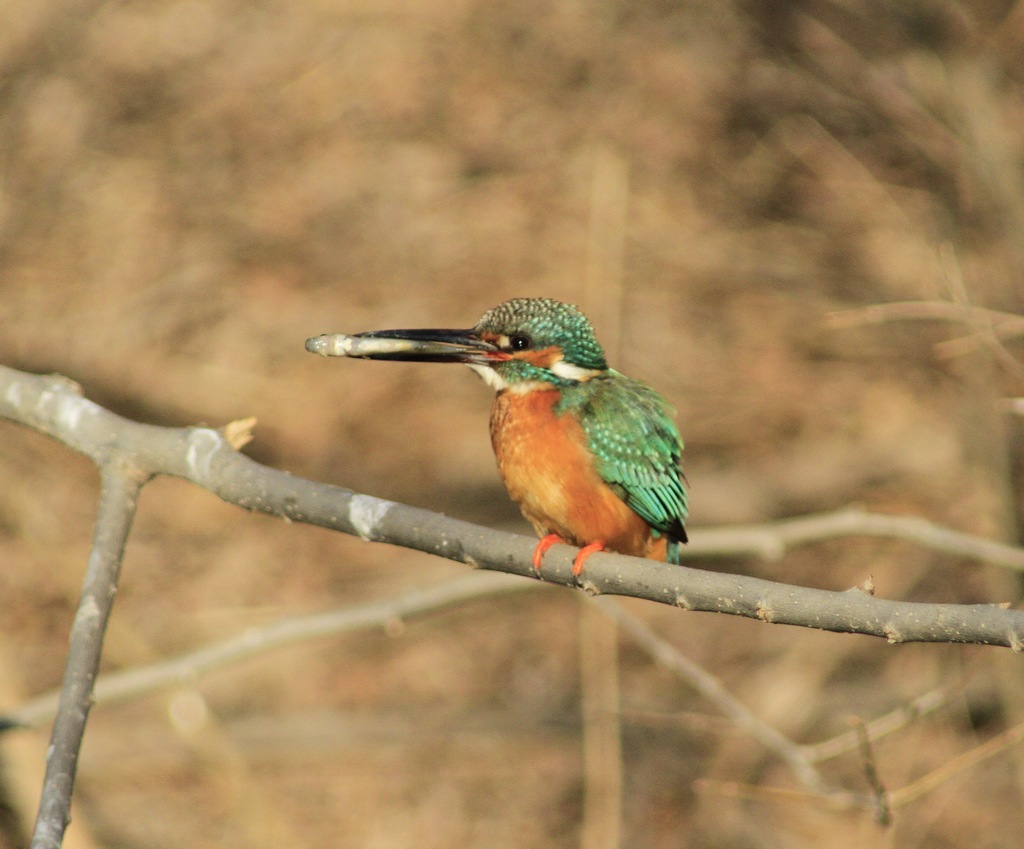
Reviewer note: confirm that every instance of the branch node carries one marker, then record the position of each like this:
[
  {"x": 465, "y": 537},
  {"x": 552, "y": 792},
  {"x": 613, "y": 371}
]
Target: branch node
[
  {"x": 764, "y": 611},
  {"x": 683, "y": 602},
  {"x": 893, "y": 634},
  {"x": 866, "y": 586},
  {"x": 1016, "y": 640},
  {"x": 366, "y": 513},
  {"x": 589, "y": 587},
  {"x": 67, "y": 383},
  {"x": 203, "y": 445}
]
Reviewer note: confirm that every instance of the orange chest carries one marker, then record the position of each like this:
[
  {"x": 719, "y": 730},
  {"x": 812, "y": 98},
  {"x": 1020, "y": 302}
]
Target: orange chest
[
  {"x": 538, "y": 452},
  {"x": 542, "y": 456},
  {"x": 543, "y": 459}
]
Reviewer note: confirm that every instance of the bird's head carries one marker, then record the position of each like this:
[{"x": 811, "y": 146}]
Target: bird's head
[
  {"x": 542, "y": 340},
  {"x": 517, "y": 345}
]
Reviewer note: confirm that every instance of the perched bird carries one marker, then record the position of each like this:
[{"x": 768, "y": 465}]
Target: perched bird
[{"x": 591, "y": 456}]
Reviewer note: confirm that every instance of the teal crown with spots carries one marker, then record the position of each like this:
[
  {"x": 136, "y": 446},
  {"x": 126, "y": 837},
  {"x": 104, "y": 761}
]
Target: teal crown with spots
[{"x": 547, "y": 323}]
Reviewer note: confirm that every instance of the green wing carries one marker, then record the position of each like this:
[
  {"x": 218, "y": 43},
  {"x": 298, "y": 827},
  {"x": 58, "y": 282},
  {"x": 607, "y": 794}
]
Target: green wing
[{"x": 636, "y": 443}]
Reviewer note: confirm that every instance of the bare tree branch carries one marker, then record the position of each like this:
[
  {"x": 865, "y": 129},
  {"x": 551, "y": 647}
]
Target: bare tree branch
[
  {"x": 53, "y": 405},
  {"x": 118, "y": 499}
]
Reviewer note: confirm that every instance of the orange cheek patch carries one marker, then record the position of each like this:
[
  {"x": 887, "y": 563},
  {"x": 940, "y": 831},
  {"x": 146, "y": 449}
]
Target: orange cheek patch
[{"x": 544, "y": 358}]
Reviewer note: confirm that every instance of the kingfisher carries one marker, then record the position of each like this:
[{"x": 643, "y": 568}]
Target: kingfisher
[{"x": 591, "y": 457}]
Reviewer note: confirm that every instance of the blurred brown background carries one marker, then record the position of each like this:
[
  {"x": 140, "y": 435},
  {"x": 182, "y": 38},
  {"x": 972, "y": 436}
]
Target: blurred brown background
[{"x": 189, "y": 189}]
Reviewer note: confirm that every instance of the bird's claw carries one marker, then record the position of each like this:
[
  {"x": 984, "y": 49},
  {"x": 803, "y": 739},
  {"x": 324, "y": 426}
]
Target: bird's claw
[
  {"x": 542, "y": 549},
  {"x": 584, "y": 553},
  {"x": 577, "y": 563}
]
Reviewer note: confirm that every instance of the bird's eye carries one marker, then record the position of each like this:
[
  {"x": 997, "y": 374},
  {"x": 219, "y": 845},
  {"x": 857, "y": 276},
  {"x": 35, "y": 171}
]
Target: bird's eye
[{"x": 518, "y": 341}]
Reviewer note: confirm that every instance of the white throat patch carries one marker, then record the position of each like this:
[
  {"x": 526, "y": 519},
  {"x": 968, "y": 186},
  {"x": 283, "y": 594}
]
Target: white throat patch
[
  {"x": 560, "y": 368},
  {"x": 498, "y": 384},
  {"x": 490, "y": 376}
]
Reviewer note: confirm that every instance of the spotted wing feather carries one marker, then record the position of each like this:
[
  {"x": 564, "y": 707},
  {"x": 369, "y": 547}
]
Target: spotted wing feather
[{"x": 637, "y": 447}]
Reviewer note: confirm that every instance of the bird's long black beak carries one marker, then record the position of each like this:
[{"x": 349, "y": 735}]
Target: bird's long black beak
[{"x": 425, "y": 346}]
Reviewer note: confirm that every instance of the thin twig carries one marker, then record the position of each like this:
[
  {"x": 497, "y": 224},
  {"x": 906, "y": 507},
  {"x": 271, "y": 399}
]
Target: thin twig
[
  {"x": 1006, "y": 325},
  {"x": 739, "y": 790},
  {"x": 896, "y": 719},
  {"x": 712, "y": 689},
  {"x": 771, "y": 540},
  {"x": 883, "y": 813},
  {"x": 989, "y": 327},
  {"x": 118, "y": 499},
  {"x": 926, "y": 783},
  {"x": 891, "y": 801},
  {"x": 116, "y": 687}
]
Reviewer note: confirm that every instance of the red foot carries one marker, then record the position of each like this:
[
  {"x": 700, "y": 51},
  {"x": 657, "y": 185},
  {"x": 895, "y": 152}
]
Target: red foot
[
  {"x": 542, "y": 549},
  {"x": 585, "y": 552}
]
